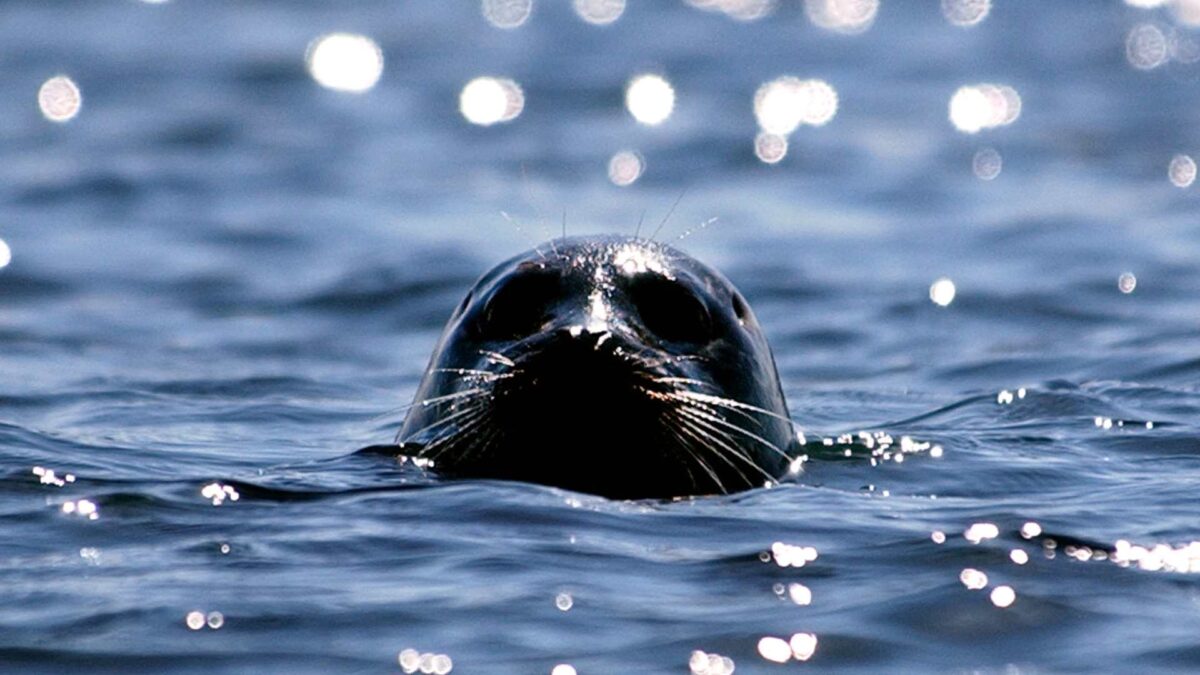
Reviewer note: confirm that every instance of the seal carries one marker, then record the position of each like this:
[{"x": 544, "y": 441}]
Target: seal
[{"x": 611, "y": 365}]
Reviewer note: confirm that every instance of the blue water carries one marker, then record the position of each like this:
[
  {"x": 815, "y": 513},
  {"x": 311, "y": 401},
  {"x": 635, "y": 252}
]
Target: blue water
[{"x": 225, "y": 279}]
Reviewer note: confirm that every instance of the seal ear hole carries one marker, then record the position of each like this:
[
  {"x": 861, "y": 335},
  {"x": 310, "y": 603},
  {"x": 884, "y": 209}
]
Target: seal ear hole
[
  {"x": 519, "y": 307},
  {"x": 670, "y": 309}
]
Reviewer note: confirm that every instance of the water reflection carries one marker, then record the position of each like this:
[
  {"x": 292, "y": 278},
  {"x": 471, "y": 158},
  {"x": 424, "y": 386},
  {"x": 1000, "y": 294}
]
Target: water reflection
[
  {"x": 1127, "y": 283},
  {"x": 59, "y": 99},
  {"x": 966, "y": 12},
  {"x": 942, "y": 292},
  {"x": 1182, "y": 171},
  {"x": 650, "y": 99},
  {"x": 1003, "y": 596},
  {"x": 625, "y": 167},
  {"x": 345, "y": 62},
  {"x": 599, "y": 12},
  {"x": 983, "y": 106},
  {"x": 741, "y": 10},
  {"x": 703, "y": 663},
  {"x": 507, "y": 14},
  {"x": 770, "y": 148},
  {"x": 412, "y": 661},
  {"x": 783, "y": 104},
  {"x": 1146, "y": 47},
  {"x": 987, "y": 163},
  {"x": 842, "y": 16},
  {"x": 489, "y": 100}
]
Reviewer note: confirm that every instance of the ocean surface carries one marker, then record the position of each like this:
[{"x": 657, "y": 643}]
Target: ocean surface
[{"x": 225, "y": 278}]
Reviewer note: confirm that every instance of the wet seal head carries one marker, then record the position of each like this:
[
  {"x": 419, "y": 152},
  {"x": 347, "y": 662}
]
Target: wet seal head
[{"x": 616, "y": 366}]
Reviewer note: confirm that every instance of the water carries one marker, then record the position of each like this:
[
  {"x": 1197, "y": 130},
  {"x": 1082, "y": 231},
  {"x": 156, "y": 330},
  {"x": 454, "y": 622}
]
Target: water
[{"x": 225, "y": 279}]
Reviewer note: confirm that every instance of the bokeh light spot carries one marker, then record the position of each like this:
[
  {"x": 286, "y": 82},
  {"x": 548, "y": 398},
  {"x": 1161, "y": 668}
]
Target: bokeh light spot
[
  {"x": 803, "y": 646},
  {"x": 774, "y": 649},
  {"x": 983, "y": 106},
  {"x": 942, "y": 292},
  {"x": 703, "y": 663},
  {"x": 599, "y": 12},
  {"x": 488, "y": 100},
  {"x": 973, "y": 579},
  {"x": 345, "y": 62},
  {"x": 625, "y": 167},
  {"x": 507, "y": 14},
  {"x": 650, "y": 99},
  {"x": 842, "y": 16},
  {"x": 5, "y": 254},
  {"x": 1146, "y": 47},
  {"x": 987, "y": 163},
  {"x": 195, "y": 620},
  {"x": 59, "y": 99},
  {"x": 770, "y": 148},
  {"x": 1127, "y": 283},
  {"x": 966, "y": 12},
  {"x": 1003, "y": 596},
  {"x": 785, "y": 103},
  {"x": 1182, "y": 171}
]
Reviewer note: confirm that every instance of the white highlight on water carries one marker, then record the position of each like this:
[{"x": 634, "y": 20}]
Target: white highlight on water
[
  {"x": 345, "y": 62},
  {"x": 488, "y": 100},
  {"x": 507, "y": 14},
  {"x": 650, "y": 99},
  {"x": 1182, "y": 171},
  {"x": 59, "y": 99},
  {"x": 942, "y": 292}
]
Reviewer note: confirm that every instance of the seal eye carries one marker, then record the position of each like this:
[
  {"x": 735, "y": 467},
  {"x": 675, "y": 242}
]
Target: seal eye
[
  {"x": 519, "y": 307},
  {"x": 669, "y": 309}
]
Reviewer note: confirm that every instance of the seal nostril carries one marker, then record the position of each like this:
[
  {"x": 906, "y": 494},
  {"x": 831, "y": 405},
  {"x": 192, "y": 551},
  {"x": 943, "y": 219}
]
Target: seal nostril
[
  {"x": 669, "y": 309},
  {"x": 740, "y": 309},
  {"x": 520, "y": 307}
]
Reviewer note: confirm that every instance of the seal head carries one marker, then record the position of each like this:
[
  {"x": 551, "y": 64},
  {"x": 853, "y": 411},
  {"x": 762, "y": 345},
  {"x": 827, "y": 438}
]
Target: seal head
[{"x": 616, "y": 366}]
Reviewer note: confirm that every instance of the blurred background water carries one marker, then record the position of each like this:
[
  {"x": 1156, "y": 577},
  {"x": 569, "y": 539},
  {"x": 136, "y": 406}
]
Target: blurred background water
[{"x": 229, "y": 246}]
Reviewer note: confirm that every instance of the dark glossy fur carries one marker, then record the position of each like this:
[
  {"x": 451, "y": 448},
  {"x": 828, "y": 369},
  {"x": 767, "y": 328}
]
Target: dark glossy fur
[{"x": 610, "y": 365}]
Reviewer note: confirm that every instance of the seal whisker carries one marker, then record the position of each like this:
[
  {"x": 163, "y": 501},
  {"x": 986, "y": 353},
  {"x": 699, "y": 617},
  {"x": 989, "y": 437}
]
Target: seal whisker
[
  {"x": 685, "y": 427},
  {"x": 718, "y": 425},
  {"x": 409, "y": 406},
  {"x": 444, "y": 420},
  {"x": 450, "y": 436},
  {"x": 730, "y": 403},
  {"x": 691, "y": 409},
  {"x": 450, "y": 397},
  {"x": 471, "y": 371},
  {"x": 718, "y": 411},
  {"x": 723, "y": 442},
  {"x": 497, "y": 358},
  {"x": 681, "y": 380},
  {"x": 716, "y": 419}
]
